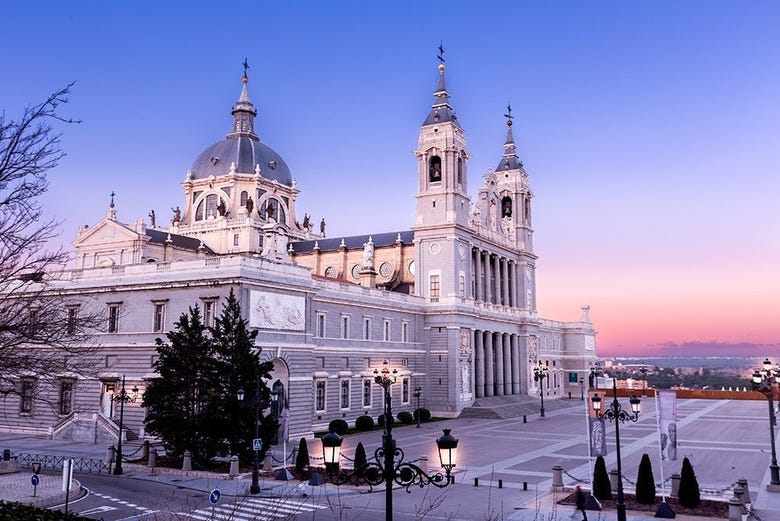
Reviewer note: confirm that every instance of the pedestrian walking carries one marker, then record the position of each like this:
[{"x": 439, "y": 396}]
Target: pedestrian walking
[{"x": 579, "y": 498}]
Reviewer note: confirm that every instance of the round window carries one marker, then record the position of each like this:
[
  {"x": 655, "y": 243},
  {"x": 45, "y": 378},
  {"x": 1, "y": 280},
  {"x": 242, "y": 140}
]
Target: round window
[
  {"x": 411, "y": 267},
  {"x": 356, "y": 272},
  {"x": 331, "y": 272},
  {"x": 386, "y": 270}
]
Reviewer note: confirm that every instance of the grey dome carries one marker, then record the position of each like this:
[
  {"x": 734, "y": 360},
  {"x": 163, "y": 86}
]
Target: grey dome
[{"x": 245, "y": 152}]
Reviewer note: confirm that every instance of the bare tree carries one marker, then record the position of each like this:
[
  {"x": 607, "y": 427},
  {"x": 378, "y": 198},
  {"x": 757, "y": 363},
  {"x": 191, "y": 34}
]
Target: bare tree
[{"x": 44, "y": 327}]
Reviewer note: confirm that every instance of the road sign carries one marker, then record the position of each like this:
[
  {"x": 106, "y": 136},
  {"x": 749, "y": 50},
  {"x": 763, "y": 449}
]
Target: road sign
[
  {"x": 257, "y": 444},
  {"x": 35, "y": 480},
  {"x": 214, "y": 496}
]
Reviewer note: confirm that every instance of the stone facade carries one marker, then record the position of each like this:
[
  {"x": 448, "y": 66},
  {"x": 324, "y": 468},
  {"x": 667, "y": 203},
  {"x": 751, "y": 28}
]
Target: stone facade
[{"x": 450, "y": 303}]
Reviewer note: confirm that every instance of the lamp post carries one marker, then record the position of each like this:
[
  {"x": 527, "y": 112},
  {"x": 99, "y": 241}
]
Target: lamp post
[
  {"x": 643, "y": 370},
  {"x": 617, "y": 414},
  {"x": 254, "y": 488},
  {"x": 540, "y": 373},
  {"x": 389, "y": 466},
  {"x": 417, "y": 394},
  {"x": 595, "y": 371},
  {"x": 582, "y": 389},
  {"x": 122, "y": 398},
  {"x": 765, "y": 381}
]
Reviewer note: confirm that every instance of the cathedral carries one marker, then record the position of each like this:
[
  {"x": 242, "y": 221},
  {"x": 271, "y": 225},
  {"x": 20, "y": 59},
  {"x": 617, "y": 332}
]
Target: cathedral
[{"x": 449, "y": 303}]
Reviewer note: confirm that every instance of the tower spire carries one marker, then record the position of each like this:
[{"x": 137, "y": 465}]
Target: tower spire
[
  {"x": 509, "y": 161},
  {"x": 441, "y": 110},
  {"x": 244, "y": 112}
]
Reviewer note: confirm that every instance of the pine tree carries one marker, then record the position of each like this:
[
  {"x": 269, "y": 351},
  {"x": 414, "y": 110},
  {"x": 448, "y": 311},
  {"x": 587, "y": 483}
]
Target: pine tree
[
  {"x": 645, "y": 483},
  {"x": 602, "y": 488},
  {"x": 302, "y": 459},
  {"x": 688, "y": 494},
  {"x": 239, "y": 364},
  {"x": 181, "y": 400},
  {"x": 360, "y": 459}
]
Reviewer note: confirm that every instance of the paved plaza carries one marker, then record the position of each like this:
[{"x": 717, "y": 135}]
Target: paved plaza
[{"x": 725, "y": 440}]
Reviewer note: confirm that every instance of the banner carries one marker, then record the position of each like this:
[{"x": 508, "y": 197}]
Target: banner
[
  {"x": 596, "y": 429},
  {"x": 667, "y": 424}
]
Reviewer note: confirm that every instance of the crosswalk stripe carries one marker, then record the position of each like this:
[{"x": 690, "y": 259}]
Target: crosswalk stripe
[{"x": 254, "y": 509}]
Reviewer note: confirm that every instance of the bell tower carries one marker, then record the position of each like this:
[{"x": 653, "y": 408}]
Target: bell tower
[{"x": 442, "y": 195}]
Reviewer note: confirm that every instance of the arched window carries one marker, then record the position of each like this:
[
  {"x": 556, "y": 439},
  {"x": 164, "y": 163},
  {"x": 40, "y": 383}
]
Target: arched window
[
  {"x": 207, "y": 207},
  {"x": 244, "y": 197},
  {"x": 272, "y": 208},
  {"x": 506, "y": 207},
  {"x": 460, "y": 170},
  {"x": 434, "y": 169}
]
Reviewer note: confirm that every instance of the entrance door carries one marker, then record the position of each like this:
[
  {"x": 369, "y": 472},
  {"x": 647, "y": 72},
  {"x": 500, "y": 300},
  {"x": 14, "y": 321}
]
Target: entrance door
[{"x": 107, "y": 398}]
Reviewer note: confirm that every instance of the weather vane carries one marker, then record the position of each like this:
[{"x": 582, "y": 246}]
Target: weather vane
[
  {"x": 441, "y": 52},
  {"x": 112, "y": 199},
  {"x": 508, "y": 114},
  {"x": 246, "y": 66}
]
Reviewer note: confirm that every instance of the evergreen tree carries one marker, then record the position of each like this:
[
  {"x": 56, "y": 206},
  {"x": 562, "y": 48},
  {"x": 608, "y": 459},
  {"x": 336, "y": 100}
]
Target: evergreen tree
[
  {"x": 302, "y": 459},
  {"x": 688, "y": 494},
  {"x": 360, "y": 459},
  {"x": 645, "y": 483},
  {"x": 239, "y": 364},
  {"x": 602, "y": 488},
  {"x": 181, "y": 400}
]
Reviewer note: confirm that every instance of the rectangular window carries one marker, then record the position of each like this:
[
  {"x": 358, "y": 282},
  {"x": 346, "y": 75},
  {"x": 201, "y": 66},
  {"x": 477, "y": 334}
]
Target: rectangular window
[
  {"x": 26, "y": 397},
  {"x": 113, "y": 318},
  {"x": 405, "y": 390},
  {"x": 345, "y": 394},
  {"x": 319, "y": 400},
  {"x": 462, "y": 286},
  {"x": 33, "y": 321},
  {"x": 208, "y": 313},
  {"x": 367, "y": 393},
  {"x": 70, "y": 327},
  {"x": 159, "y": 317},
  {"x": 386, "y": 331},
  {"x": 66, "y": 397},
  {"x": 321, "y": 325},
  {"x": 235, "y": 239},
  {"x": 344, "y": 326},
  {"x": 404, "y": 331},
  {"x": 434, "y": 288},
  {"x": 366, "y": 328}
]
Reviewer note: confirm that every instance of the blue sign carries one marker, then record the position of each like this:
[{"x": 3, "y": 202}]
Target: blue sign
[
  {"x": 257, "y": 444},
  {"x": 35, "y": 480},
  {"x": 214, "y": 496}
]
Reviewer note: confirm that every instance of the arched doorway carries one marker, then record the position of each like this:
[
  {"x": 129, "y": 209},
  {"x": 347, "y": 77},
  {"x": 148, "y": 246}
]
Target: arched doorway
[{"x": 280, "y": 404}]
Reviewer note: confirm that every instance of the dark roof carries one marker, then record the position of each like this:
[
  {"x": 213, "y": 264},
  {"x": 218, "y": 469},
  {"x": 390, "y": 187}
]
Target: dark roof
[
  {"x": 180, "y": 241},
  {"x": 354, "y": 242},
  {"x": 245, "y": 152}
]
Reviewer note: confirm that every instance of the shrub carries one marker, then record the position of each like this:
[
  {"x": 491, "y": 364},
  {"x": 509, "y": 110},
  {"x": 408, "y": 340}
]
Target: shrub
[
  {"x": 364, "y": 423},
  {"x": 360, "y": 458},
  {"x": 423, "y": 413},
  {"x": 380, "y": 420},
  {"x": 338, "y": 426},
  {"x": 602, "y": 488},
  {"x": 302, "y": 459},
  {"x": 405, "y": 417},
  {"x": 20, "y": 511},
  {"x": 645, "y": 483},
  {"x": 689, "y": 494}
]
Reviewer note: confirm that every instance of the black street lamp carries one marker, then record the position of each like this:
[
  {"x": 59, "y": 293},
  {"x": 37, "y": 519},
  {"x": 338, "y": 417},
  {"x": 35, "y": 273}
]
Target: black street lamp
[
  {"x": 617, "y": 414},
  {"x": 540, "y": 373},
  {"x": 122, "y": 398},
  {"x": 595, "y": 371},
  {"x": 643, "y": 370},
  {"x": 765, "y": 381},
  {"x": 389, "y": 466},
  {"x": 254, "y": 488},
  {"x": 417, "y": 394},
  {"x": 582, "y": 389}
]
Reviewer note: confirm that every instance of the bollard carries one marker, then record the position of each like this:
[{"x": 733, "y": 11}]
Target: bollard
[
  {"x": 187, "y": 464},
  {"x": 153, "y": 458},
  {"x": 557, "y": 477},
  {"x": 735, "y": 509},
  {"x": 424, "y": 463},
  {"x": 110, "y": 455},
  {"x": 739, "y": 495},
  {"x": 525, "y": 485},
  {"x": 569, "y": 395},
  {"x": 6, "y": 454},
  {"x": 525, "y": 420},
  {"x": 476, "y": 482},
  {"x": 268, "y": 462},
  {"x": 145, "y": 450},
  {"x": 675, "y": 484},
  {"x": 613, "y": 480},
  {"x": 233, "y": 467},
  {"x": 500, "y": 483},
  {"x": 746, "y": 496}
]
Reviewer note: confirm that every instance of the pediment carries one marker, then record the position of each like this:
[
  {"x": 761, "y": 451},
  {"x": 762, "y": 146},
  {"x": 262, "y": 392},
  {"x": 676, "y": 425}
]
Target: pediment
[{"x": 105, "y": 232}]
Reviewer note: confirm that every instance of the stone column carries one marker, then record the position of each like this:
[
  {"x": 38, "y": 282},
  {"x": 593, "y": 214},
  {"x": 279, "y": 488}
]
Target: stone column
[
  {"x": 505, "y": 282},
  {"x": 478, "y": 274},
  {"x": 497, "y": 280},
  {"x": 479, "y": 364},
  {"x": 507, "y": 364},
  {"x": 500, "y": 371},
  {"x": 512, "y": 274},
  {"x": 515, "y": 348},
  {"x": 488, "y": 285},
  {"x": 489, "y": 373}
]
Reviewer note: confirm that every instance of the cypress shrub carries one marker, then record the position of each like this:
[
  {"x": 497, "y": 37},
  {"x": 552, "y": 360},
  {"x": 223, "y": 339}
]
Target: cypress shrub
[
  {"x": 302, "y": 459},
  {"x": 360, "y": 459},
  {"x": 338, "y": 426},
  {"x": 381, "y": 420},
  {"x": 405, "y": 417},
  {"x": 364, "y": 423},
  {"x": 423, "y": 413},
  {"x": 689, "y": 494},
  {"x": 645, "y": 483},
  {"x": 602, "y": 488}
]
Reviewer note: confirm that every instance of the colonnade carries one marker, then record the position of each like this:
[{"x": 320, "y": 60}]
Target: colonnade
[
  {"x": 498, "y": 363},
  {"x": 496, "y": 279}
]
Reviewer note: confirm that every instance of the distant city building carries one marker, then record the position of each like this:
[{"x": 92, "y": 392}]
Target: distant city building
[{"x": 451, "y": 303}]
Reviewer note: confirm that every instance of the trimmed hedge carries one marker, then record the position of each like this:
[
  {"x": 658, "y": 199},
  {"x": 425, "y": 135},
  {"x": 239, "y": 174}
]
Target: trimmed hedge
[
  {"x": 423, "y": 413},
  {"x": 602, "y": 488},
  {"x": 364, "y": 423},
  {"x": 405, "y": 417},
  {"x": 645, "y": 483},
  {"x": 381, "y": 420},
  {"x": 689, "y": 494},
  {"x": 338, "y": 426},
  {"x": 302, "y": 459},
  {"x": 23, "y": 512}
]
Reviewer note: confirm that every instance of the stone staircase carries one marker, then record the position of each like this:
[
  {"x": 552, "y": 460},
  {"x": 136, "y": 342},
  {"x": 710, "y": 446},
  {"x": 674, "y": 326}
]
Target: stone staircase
[{"x": 514, "y": 406}]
